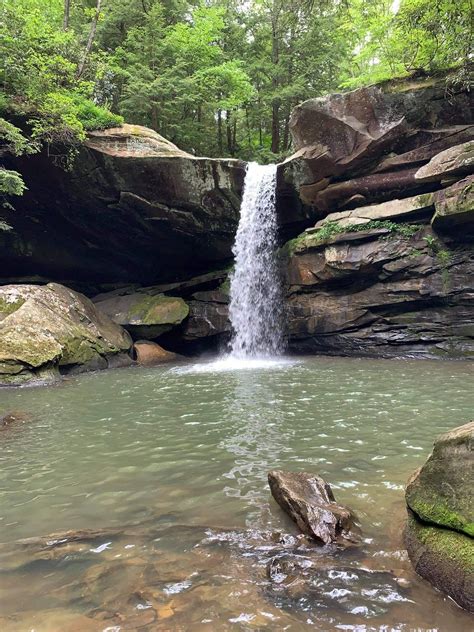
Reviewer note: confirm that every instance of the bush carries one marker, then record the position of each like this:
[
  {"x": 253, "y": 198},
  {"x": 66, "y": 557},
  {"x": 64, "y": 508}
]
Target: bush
[{"x": 94, "y": 116}]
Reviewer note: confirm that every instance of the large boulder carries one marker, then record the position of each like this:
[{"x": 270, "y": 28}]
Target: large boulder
[
  {"x": 442, "y": 491},
  {"x": 149, "y": 353},
  {"x": 144, "y": 314},
  {"x": 310, "y": 502},
  {"x": 371, "y": 144},
  {"x": 48, "y": 329},
  {"x": 440, "y": 527}
]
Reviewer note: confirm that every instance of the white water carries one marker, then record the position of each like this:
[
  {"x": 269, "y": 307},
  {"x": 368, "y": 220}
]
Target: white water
[{"x": 256, "y": 306}]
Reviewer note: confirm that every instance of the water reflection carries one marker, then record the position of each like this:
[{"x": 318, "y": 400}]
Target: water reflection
[{"x": 257, "y": 439}]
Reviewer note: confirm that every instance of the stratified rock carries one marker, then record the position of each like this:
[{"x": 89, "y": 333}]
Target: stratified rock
[
  {"x": 443, "y": 557},
  {"x": 143, "y": 314},
  {"x": 133, "y": 209},
  {"x": 380, "y": 293},
  {"x": 207, "y": 319},
  {"x": 455, "y": 207},
  {"x": 442, "y": 491},
  {"x": 406, "y": 209},
  {"x": 457, "y": 160},
  {"x": 47, "y": 328},
  {"x": 366, "y": 146},
  {"x": 150, "y": 354},
  {"x": 309, "y": 501}
]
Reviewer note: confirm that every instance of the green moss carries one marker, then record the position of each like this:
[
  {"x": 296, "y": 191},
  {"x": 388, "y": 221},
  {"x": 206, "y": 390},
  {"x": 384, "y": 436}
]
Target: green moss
[
  {"x": 438, "y": 513},
  {"x": 331, "y": 229},
  {"x": 448, "y": 544},
  {"x": 8, "y": 307},
  {"x": 158, "y": 310}
]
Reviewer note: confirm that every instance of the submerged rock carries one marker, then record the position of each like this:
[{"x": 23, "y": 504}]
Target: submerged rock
[
  {"x": 309, "y": 501},
  {"x": 48, "y": 329},
  {"x": 440, "y": 528},
  {"x": 14, "y": 418}
]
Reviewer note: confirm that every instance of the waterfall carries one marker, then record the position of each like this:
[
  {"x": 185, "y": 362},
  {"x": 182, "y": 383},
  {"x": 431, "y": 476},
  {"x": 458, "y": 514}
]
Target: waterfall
[{"x": 256, "y": 297}]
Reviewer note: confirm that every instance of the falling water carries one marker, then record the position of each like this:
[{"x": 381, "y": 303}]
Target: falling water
[{"x": 256, "y": 306}]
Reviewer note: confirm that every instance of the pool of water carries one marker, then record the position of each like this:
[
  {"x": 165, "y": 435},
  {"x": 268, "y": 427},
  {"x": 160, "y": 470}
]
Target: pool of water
[{"x": 159, "y": 476}]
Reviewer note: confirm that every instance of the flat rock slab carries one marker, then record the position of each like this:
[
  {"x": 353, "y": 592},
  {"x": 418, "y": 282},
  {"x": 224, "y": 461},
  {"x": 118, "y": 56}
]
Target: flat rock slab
[{"x": 310, "y": 502}]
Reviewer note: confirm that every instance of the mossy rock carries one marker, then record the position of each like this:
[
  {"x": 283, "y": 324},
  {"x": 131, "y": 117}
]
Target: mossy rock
[
  {"x": 145, "y": 315},
  {"x": 45, "y": 327},
  {"x": 441, "y": 492},
  {"x": 443, "y": 557}
]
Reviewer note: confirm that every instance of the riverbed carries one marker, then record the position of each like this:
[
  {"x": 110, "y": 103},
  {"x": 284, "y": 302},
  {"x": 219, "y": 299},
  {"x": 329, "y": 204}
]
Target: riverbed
[{"x": 163, "y": 472}]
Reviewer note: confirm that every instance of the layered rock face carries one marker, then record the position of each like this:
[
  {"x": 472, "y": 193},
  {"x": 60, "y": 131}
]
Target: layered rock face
[
  {"x": 440, "y": 528},
  {"x": 387, "y": 270},
  {"x": 133, "y": 208},
  {"x": 45, "y": 330}
]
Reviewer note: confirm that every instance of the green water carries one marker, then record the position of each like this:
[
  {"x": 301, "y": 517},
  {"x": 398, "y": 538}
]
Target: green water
[{"x": 172, "y": 463}]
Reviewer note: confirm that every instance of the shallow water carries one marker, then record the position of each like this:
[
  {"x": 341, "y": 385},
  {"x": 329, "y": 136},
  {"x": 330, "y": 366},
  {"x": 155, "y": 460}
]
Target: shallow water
[{"x": 172, "y": 462}]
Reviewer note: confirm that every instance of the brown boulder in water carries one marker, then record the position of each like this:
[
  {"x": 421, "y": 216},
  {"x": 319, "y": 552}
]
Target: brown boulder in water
[
  {"x": 149, "y": 353},
  {"x": 14, "y": 418},
  {"x": 309, "y": 501}
]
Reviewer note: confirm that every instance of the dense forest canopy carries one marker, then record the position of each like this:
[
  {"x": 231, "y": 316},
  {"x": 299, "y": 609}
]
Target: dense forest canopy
[{"x": 217, "y": 77}]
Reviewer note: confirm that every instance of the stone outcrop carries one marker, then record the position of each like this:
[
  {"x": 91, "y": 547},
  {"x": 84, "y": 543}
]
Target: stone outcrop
[
  {"x": 45, "y": 330},
  {"x": 310, "y": 502},
  {"x": 387, "y": 270},
  {"x": 381, "y": 292},
  {"x": 132, "y": 209},
  {"x": 440, "y": 528},
  {"x": 144, "y": 315}
]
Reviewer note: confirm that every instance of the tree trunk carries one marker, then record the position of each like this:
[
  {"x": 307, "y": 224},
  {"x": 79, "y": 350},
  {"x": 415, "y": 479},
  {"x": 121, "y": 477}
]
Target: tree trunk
[
  {"x": 275, "y": 84},
  {"x": 154, "y": 117},
  {"x": 286, "y": 133},
  {"x": 229, "y": 132},
  {"x": 90, "y": 41},
  {"x": 234, "y": 136},
  {"x": 67, "y": 12},
  {"x": 219, "y": 132}
]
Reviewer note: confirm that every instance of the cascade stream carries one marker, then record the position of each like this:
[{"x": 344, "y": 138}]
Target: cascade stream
[{"x": 256, "y": 306}]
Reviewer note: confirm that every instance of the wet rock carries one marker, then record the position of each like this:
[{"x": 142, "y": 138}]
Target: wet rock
[
  {"x": 442, "y": 491},
  {"x": 443, "y": 557},
  {"x": 144, "y": 314},
  {"x": 48, "y": 329},
  {"x": 457, "y": 161},
  {"x": 14, "y": 418},
  {"x": 309, "y": 501},
  {"x": 440, "y": 527},
  {"x": 150, "y": 354}
]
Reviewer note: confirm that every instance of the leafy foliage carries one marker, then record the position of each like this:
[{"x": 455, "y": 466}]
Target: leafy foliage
[{"x": 217, "y": 77}]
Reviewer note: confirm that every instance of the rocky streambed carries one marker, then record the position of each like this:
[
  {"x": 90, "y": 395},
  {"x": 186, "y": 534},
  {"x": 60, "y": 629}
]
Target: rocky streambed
[{"x": 152, "y": 509}]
